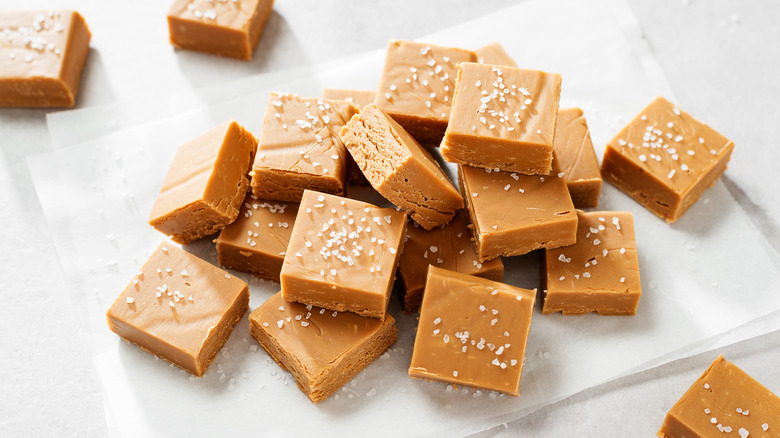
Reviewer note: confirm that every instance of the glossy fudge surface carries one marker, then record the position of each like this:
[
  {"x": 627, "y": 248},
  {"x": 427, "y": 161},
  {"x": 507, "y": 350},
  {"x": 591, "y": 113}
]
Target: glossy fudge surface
[
  {"x": 495, "y": 54},
  {"x": 577, "y": 158}
]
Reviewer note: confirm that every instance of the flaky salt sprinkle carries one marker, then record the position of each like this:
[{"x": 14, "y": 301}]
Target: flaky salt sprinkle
[{"x": 130, "y": 300}]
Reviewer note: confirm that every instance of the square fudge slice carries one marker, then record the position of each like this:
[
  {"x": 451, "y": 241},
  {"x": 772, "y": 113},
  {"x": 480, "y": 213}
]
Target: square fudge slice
[
  {"x": 257, "y": 241},
  {"x": 343, "y": 254},
  {"x": 399, "y": 168},
  {"x": 206, "y": 183},
  {"x": 599, "y": 273},
  {"x": 180, "y": 308},
  {"x": 44, "y": 53},
  {"x": 577, "y": 158},
  {"x": 665, "y": 159},
  {"x": 225, "y": 28},
  {"x": 513, "y": 214},
  {"x": 494, "y": 54},
  {"x": 293, "y": 335},
  {"x": 504, "y": 118},
  {"x": 417, "y": 85},
  {"x": 472, "y": 331},
  {"x": 724, "y": 401},
  {"x": 360, "y": 98},
  {"x": 447, "y": 247},
  {"x": 300, "y": 148}
]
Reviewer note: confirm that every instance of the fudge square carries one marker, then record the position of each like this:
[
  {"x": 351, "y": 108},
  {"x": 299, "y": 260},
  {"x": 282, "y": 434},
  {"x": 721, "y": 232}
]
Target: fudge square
[
  {"x": 724, "y": 401},
  {"x": 293, "y": 335},
  {"x": 180, "y": 308},
  {"x": 447, "y": 247},
  {"x": 360, "y": 98},
  {"x": 577, "y": 158},
  {"x": 665, "y": 159},
  {"x": 514, "y": 214},
  {"x": 300, "y": 148},
  {"x": 343, "y": 254},
  {"x": 44, "y": 53},
  {"x": 495, "y": 54},
  {"x": 206, "y": 183},
  {"x": 257, "y": 241},
  {"x": 504, "y": 118},
  {"x": 599, "y": 273},
  {"x": 399, "y": 168},
  {"x": 226, "y": 28},
  {"x": 417, "y": 85},
  {"x": 472, "y": 331}
]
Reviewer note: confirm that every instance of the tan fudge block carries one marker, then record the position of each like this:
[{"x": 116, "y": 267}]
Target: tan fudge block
[
  {"x": 577, "y": 158},
  {"x": 495, "y": 54},
  {"x": 360, "y": 98}
]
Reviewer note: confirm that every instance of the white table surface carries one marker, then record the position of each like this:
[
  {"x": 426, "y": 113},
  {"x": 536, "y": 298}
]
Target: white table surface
[{"x": 721, "y": 57}]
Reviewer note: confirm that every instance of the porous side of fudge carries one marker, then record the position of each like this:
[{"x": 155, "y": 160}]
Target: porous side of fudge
[
  {"x": 206, "y": 183},
  {"x": 472, "y": 332},
  {"x": 360, "y": 98},
  {"x": 399, "y": 168},
  {"x": 577, "y": 158},
  {"x": 665, "y": 159},
  {"x": 322, "y": 349},
  {"x": 44, "y": 53},
  {"x": 503, "y": 118},
  {"x": 494, "y": 54},
  {"x": 599, "y": 273},
  {"x": 180, "y": 308}
]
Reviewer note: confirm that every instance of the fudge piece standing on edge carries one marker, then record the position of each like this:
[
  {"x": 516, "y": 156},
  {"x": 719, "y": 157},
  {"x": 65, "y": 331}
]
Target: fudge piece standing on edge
[
  {"x": 417, "y": 86},
  {"x": 300, "y": 148},
  {"x": 343, "y": 254},
  {"x": 221, "y": 28},
  {"x": 180, "y": 308},
  {"x": 599, "y": 273},
  {"x": 257, "y": 241},
  {"x": 513, "y": 214},
  {"x": 724, "y": 401},
  {"x": 322, "y": 349},
  {"x": 399, "y": 168},
  {"x": 205, "y": 184},
  {"x": 360, "y": 98},
  {"x": 44, "y": 53},
  {"x": 494, "y": 54},
  {"x": 503, "y": 118},
  {"x": 665, "y": 159},
  {"x": 577, "y": 158},
  {"x": 447, "y": 247},
  {"x": 472, "y": 331}
]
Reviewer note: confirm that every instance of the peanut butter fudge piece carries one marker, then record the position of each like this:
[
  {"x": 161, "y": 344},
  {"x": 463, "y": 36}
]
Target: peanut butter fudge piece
[
  {"x": 322, "y": 349},
  {"x": 343, "y": 254},
  {"x": 257, "y": 241},
  {"x": 206, "y": 183},
  {"x": 300, "y": 148},
  {"x": 494, "y": 54},
  {"x": 513, "y": 214},
  {"x": 43, "y": 55},
  {"x": 665, "y": 159},
  {"x": 599, "y": 273},
  {"x": 724, "y": 401},
  {"x": 577, "y": 158},
  {"x": 472, "y": 331},
  {"x": 399, "y": 168},
  {"x": 417, "y": 86},
  {"x": 447, "y": 247},
  {"x": 223, "y": 27},
  {"x": 503, "y": 118},
  {"x": 179, "y": 308},
  {"x": 360, "y": 98}
]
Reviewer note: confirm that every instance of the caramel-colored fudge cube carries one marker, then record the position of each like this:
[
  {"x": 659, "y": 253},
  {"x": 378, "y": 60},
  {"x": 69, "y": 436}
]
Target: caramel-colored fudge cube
[
  {"x": 257, "y": 241},
  {"x": 360, "y": 98},
  {"x": 503, "y": 118},
  {"x": 472, "y": 332},
  {"x": 665, "y": 159},
  {"x": 399, "y": 168},
  {"x": 293, "y": 335},
  {"x": 417, "y": 86},
  {"x": 448, "y": 247},
  {"x": 180, "y": 308},
  {"x": 343, "y": 254},
  {"x": 599, "y": 273},
  {"x": 495, "y": 54},
  {"x": 42, "y": 58},
  {"x": 513, "y": 214},
  {"x": 229, "y": 28},
  {"x": 300, "y": 148},
  {"x": 577, "y": 158},
  {"x": 724, "y": 401},
  {"x": 205, "y": 185}
]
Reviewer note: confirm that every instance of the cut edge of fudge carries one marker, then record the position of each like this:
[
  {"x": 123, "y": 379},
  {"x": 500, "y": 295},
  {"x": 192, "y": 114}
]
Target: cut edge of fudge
[{"x": 581, "y": 173}]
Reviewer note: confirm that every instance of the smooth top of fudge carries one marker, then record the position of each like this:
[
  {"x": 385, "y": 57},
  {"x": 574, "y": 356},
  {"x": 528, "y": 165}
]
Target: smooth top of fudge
[
  {"x": 573, "y": 146},
  {"x": 235, "y": 14},
  {"x": 494, "y": 54},
  {"x": 360, "y": 98},
  {"x": 263, "y": 226}
]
